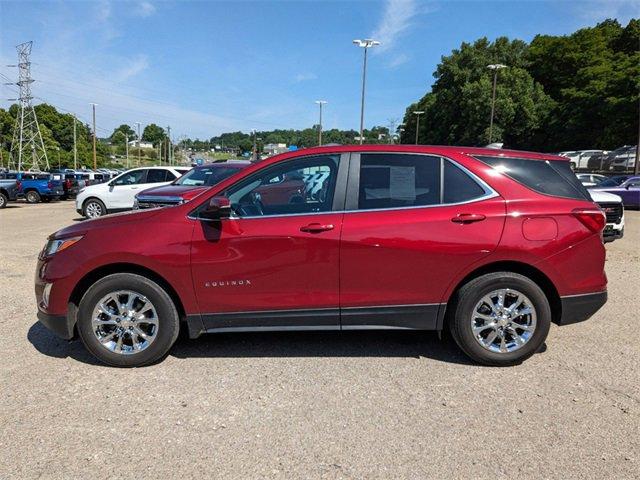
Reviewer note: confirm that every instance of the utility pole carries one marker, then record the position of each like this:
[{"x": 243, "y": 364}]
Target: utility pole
[
  {"x": 169, "y": 156},
  {"x": 254, "y": 154},
  {"x": 95, "y": 164},
  {"x": 495, "y": 68},
  {"x": 320, "y": 103},
  {"x": 58, "y": 149},
  {"x": 75, "y": 144},
  {"x": 26, "y": 133},
  {"x": 417, "y": 114},
  {"x": 126, "y": 147},
  {"x": 366, "y": 44},
  {"x": 139, "y": 152}
]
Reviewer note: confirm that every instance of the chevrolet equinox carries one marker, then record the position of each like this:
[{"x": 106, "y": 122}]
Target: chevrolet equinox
[{"x": 493, "y": 245}]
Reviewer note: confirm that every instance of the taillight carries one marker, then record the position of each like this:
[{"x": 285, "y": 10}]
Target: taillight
[
  {"x": 19, "y": 185},
  {"x": 68, "y": 183},
  {"x": 592, "y": 218},
  {"x": 49, "y": 185}
]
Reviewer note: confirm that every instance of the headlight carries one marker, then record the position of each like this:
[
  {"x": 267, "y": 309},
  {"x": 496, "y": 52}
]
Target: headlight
[
  {"x": 59, "y": 244},
  {"x": 82, "y": 190}
]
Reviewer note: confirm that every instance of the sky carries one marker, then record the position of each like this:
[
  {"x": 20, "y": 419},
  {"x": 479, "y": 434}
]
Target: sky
[{"x": 207, "y": 67}]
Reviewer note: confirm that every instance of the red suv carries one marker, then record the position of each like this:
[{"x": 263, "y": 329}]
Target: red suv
[{"x": 493, "y": 245}]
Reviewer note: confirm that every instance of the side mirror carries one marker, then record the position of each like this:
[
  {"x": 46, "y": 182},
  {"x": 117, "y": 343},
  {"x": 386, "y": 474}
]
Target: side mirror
[{"x": 217, "y": 209}]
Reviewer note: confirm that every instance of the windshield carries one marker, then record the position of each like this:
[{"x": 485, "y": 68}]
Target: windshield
[{"x": 205, "y": 176}]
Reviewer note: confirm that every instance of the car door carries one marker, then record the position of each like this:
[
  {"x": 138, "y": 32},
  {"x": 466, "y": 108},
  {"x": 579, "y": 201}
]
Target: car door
[
  {"x": 412, "y": 223},
  {"x": 274, "y": 263},
  {"x": 122, "y": 190}
]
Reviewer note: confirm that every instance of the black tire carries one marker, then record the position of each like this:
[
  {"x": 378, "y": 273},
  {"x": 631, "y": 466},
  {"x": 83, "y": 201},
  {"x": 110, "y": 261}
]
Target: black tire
[
  {"x": 3, "y": 200},
  {"x": 465, "y": 300},
  {"x": 97, "y": 204},
  {"x": 46, "y": 199},
  {"x": 32, "y": 196},
  {"x": 168, "y": 319}
]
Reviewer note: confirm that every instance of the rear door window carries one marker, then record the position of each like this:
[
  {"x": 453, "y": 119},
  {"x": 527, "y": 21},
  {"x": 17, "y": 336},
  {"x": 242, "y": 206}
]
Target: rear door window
[
  {"x": 553, "y": 178},
  {"x": 157, "y": 175}
]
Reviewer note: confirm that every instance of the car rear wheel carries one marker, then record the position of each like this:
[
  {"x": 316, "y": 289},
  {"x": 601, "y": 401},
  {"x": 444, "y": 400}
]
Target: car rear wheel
[
  {"x": 500, "y": 319},
  {"x": 127, "y": 320},
  {"x": 32, "y": 196},
  {"x": 3, "y": 200},
  {"x": 94, "y": 208}
]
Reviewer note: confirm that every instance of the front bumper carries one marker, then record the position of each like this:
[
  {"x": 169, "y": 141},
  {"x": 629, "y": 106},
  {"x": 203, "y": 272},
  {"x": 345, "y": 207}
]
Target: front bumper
[
  {"x": 61, "y": 325},
  {"x": 578, "y": 308}
]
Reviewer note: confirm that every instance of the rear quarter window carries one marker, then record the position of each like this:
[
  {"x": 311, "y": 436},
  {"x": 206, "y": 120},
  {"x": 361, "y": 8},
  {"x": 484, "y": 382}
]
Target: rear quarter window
[{"x": 553, "y": 178}]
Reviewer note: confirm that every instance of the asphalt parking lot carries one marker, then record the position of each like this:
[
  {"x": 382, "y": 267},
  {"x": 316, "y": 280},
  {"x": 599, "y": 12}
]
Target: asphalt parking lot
[{"x": 316, "y": 405}]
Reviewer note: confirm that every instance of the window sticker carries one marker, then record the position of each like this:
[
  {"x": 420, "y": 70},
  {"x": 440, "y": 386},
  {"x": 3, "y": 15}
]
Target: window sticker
[{"x": 402, "y": 183}]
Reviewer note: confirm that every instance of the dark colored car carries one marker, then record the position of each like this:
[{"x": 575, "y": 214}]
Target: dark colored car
[
  {"x": 628, "y": 189},
  {"x": 188, "y": 186},
  {"x": 491, "y": 245},
  {"x": 9, "y": 189}
]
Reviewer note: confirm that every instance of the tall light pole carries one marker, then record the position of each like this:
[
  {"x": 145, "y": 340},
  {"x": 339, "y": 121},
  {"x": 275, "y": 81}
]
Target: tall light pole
[
  {"x": 366, "y": 44},
  {"x": 75, "y": 146},
  {"x": 139, "y": 150},
  {"x": 417, "y": 113},
  {"x": 320, "y": 103},
  {"x": 495, "y": 67},
  {"x": 95, "y": 162}
]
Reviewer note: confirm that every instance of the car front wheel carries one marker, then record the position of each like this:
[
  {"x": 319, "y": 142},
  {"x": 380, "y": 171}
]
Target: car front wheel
[
  {"x": 94, "y": 208},
  {"x": 127, "y": 320},
  {"x": 500, "y": 319},
  {"x": 3, "y": 200}
]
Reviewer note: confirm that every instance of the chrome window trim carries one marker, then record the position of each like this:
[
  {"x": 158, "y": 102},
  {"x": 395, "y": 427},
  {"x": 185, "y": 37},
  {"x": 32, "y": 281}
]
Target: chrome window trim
[
  {"x": 151, "y": 198},
  {"x": 489, "y": 193}
]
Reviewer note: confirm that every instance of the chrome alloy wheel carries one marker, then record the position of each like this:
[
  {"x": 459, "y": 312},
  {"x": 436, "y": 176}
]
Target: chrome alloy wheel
[
  {"x": 93, "y": 210},
  {"x": 503, "y": 320},
  {"x": 125, "y": 322}
]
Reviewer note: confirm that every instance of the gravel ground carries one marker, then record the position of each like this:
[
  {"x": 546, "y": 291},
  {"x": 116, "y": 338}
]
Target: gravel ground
[{"x": 316, "y": 405}]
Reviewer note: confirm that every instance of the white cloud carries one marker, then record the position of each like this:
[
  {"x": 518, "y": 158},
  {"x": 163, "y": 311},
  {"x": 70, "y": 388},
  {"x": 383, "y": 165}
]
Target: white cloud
[
  {"x": 133, "y": 68},
  {"x": 621, "y": 10},
  {"x": 145, "y": 9},
  {"x": 397, "y": 60},
  {"x": 303, "y": 77},
  {"x": 396, "y": 20},
  {"x": 103, "y": 11}
]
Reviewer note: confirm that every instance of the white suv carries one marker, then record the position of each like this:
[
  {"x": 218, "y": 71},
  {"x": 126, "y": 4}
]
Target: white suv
[{"x": 119, "y": 193}]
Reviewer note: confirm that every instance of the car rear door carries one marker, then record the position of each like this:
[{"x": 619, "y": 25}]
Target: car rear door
[
  {"x": 274, "y": 264},
  {"x": 412, "y": 223}
]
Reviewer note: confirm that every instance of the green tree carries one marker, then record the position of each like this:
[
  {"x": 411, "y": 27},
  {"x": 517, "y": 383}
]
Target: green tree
[
  {"x": 154, "y": 134},
  {"x": 457, "y": 110}
]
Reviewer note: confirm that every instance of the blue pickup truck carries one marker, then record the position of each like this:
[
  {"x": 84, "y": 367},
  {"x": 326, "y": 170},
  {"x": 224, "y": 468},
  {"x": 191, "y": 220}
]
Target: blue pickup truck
[{"x": 36, "y": 187}]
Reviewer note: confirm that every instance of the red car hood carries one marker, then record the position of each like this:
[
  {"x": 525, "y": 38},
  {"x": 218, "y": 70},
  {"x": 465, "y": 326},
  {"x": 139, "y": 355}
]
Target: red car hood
[
  {"x": 186, "y": 192},
  {"x": 107, "y": 220}
]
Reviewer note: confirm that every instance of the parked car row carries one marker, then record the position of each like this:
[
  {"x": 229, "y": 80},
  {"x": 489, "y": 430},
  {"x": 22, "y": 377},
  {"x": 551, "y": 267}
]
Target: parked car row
[{"x": 619, "y": 160}]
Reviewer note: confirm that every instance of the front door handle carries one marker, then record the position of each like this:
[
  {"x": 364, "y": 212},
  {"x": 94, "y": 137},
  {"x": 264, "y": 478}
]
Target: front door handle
[
  {"x": 316, "y": 228},
  {"x": 468, "y": 218}
]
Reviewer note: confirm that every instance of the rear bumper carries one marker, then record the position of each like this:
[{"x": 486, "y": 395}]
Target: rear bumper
[
  {"x": 578, "y": 308},
  {"x": 61, "y": 325}
]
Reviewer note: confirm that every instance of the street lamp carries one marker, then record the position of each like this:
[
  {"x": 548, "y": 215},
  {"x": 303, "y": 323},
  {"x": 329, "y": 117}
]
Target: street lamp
[
  {"x": 495, "y": 67},
  {"x": 320, "y": 103},
  {"x": 417, "y": 114},
  {"x": 367, "y": 43},
  {"x": 139, "y": 150}
]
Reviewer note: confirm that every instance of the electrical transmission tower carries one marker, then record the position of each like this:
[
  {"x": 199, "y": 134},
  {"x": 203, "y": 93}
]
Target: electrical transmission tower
[{"x": 27, "y": 147}]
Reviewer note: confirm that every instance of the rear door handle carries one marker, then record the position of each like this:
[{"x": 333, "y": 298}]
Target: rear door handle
[
  {"x": 316, "y": 228},
  {"x": 468, "y": 218}
]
